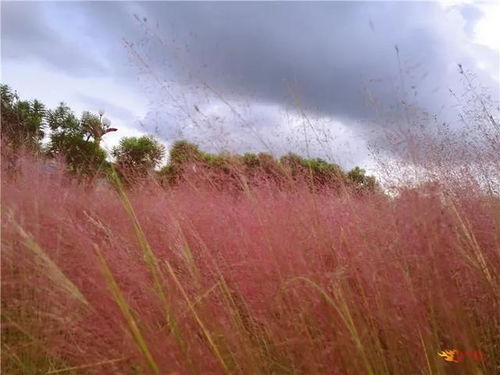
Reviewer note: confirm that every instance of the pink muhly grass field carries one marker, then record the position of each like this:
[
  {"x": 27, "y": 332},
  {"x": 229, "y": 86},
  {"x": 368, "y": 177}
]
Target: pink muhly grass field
[{"x": 201, "y": 281}]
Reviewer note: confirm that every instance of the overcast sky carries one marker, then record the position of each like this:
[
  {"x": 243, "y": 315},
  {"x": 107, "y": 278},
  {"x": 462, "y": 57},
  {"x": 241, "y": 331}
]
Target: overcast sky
[{"x": 315, "y": 78}]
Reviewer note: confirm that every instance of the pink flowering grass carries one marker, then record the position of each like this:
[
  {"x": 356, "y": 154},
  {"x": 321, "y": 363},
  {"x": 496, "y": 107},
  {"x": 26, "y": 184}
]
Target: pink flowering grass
[{"x": 266, "y": 281}]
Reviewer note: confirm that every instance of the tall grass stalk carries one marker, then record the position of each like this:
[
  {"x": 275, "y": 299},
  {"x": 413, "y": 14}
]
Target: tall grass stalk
[
  {"x": 204, "y": 281},
  {"x": 128, "y": 315}
]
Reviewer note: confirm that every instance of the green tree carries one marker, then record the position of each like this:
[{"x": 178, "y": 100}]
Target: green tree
[
  {"x": 182, "y": 151},
  {"x": 361, "y": 180},
  {"x": 317, "y": 171},
  {"x": 95, "y": 126},
  {"x": 22, "y": 121},
  {"x": 138, "y": 155},
  {"x": 63, "y": 122},
  {"x": 70, "y": 137}
]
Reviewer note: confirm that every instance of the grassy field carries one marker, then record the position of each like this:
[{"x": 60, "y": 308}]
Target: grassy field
[{"x": 266, "y": 281}]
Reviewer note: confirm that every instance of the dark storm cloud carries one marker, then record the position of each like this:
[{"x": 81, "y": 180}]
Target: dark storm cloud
[
  {"x": 322, "y": 54},
  {"x": 321, "y": 57}
]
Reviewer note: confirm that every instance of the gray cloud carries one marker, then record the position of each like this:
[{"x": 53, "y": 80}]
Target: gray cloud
[
  {"x": 323, "y": 53},
  {"x": 29, "y": 33},
  {"x": 109, "y": 108},
  {"x": 322, "y": 57}
]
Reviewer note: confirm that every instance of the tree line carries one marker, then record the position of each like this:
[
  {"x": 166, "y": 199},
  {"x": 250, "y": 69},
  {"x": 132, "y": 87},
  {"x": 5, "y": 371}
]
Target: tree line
[{"x": 59, "y": 133}]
